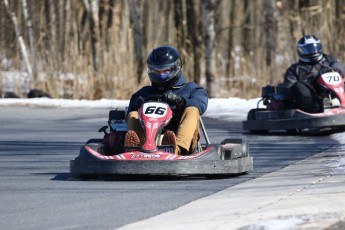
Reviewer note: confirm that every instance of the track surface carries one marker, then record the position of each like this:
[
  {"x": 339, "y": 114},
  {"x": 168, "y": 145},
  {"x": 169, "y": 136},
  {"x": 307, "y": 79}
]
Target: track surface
[{"x": 37, "y": 191}]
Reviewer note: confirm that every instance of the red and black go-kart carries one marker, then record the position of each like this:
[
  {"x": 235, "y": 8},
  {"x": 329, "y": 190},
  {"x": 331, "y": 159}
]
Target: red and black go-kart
[
  {"x": 109, "y": 156},
  {"x": 279, "y": 114}
]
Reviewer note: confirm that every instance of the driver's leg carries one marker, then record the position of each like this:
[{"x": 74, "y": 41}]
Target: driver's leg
[
  {"x": 134, "y": 124},
  {"x": 305, "y": 98},
  {"x": 187, "y": 134}
]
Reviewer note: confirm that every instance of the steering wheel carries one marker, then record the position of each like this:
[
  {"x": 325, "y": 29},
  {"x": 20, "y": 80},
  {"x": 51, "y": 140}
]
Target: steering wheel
[{"x": 156, "y": 97}]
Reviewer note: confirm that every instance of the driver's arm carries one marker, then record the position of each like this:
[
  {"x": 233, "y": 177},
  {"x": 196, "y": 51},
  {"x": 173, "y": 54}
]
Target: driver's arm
[{"x": 198, "y": 98}]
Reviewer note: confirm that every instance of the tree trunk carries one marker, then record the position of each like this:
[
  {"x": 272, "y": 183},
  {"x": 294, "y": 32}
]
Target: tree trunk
[
  {"x": 68, "y": 26},
  {"x": 179, "y": 25},
  {"x": 194, "y": 33},
  {"x": 94, "y": 32},
  {"x": 137, "y": 40},
  {"x": 22, "y": 46},
  {"x": 248, "y": 27},
  {"x": 271, "y": 31},
  {"x": 209, "y": 38},
  {"x": 62, "y": 25},
  {"x": 31, "y": 38},
  {"x": 110, "y": 14},
  {"x": 235, "y": 41},
  {"x": 52, "y": 26}
]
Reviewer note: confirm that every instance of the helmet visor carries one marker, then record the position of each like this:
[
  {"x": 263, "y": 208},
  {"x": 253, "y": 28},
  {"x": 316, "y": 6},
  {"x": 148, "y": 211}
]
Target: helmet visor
[
  {"x": 163, "y": 73},
  {"x": 309, "y": 49}
]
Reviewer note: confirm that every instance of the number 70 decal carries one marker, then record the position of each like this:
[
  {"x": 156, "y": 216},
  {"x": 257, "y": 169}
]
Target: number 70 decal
[{"x": 332, "y": 78}]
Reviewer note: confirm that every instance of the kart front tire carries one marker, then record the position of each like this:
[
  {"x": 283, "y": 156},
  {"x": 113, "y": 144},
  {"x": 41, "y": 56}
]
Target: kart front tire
[{"x": 243, "y": 142}]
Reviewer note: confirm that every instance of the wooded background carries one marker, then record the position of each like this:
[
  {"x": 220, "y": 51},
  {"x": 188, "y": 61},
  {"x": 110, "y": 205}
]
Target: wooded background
[{"x": 92, "y": 49}]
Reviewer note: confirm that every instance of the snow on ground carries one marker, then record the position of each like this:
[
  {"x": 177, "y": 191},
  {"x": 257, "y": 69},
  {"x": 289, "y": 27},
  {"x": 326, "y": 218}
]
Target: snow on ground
[
  {"x": 217, "y": 108},
  {"x": 230, "y": 108}
]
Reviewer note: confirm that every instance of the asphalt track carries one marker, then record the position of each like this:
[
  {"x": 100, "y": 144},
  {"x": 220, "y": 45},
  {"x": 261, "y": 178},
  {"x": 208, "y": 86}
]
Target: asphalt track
[{"x": 38, "y": 192}]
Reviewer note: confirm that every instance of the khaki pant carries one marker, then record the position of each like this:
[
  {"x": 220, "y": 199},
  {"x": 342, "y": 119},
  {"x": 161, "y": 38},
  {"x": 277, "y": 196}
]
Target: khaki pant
[{"x": 187, "y": 134}]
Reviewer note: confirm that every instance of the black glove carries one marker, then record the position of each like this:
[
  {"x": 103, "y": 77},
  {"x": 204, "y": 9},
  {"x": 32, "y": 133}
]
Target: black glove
[
  {"x": 174, "y": 99},
  {"x": 138, "y": 103}
]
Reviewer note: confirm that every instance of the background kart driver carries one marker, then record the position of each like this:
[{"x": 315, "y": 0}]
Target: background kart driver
[{"x": 299, "y": 78}]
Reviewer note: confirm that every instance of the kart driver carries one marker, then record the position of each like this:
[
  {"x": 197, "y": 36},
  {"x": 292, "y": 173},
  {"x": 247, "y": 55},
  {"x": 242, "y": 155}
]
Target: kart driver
[
  {"x": 299, "y": 77},
  {"x": 189, "y": 99}
]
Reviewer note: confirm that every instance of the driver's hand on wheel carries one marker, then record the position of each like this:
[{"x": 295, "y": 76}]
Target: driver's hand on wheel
[{"x": 174, "y": 99}]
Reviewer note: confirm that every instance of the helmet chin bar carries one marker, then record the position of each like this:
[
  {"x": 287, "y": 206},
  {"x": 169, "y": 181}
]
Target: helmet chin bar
[
  {"x": 311, "y": 58},
  {"x": 167, "y": 84}
]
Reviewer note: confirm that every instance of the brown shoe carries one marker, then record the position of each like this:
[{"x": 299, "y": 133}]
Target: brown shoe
[
  {"x": 131, "y": 139},
  {"x": 169, "y": 138}
]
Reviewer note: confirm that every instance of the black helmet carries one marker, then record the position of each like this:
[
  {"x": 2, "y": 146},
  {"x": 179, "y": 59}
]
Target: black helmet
[
  {"x": 309, "y": 49},
  {"x": 164, "y": 66}
]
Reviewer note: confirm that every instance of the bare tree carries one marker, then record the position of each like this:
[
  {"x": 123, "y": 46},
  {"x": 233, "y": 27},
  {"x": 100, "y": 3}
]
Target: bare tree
[
  {"x": 94, "y": 31},
  {"x": 68, "y": 26},
  {"x": 51, "y": 22},
  {"x": 194, "y": 26},
  {"x": 339, "y": 25},
  {"x": 179, "y": 25},
  {"x": 22, "y": 45},
  {"x": 31, "y": 37},
  {"x": 110, "y": 14},
  {"x": 271, "y": 32},
  {"x": 137, "y": 40},
  {"x": 235, "y": 39},
  {"x": 248, "y": 27},
  {"x": 61, "y": 23},
  {"x": 209, "y": 7}
]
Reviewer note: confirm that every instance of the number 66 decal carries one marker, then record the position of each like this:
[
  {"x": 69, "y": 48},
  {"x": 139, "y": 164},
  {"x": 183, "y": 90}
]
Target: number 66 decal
[{"x": 154, "y": 109}]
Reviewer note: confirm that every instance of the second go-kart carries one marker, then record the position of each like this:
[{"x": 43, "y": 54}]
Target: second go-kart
[
  {"x": 108, "y": 155},
  {"x": 280, "y": 115}
]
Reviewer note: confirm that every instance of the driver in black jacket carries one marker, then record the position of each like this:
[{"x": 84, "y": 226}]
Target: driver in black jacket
[{"x": 299, "y": 77}]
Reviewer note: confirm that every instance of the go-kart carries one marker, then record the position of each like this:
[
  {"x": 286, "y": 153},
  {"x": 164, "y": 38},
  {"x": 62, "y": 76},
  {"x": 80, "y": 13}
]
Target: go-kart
[
  {"x": 108, "y": 155},
  {"x": 279, "y": 113}
]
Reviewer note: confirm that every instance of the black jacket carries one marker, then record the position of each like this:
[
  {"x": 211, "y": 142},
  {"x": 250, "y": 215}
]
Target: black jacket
[{"x": 304, "y": 72}]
